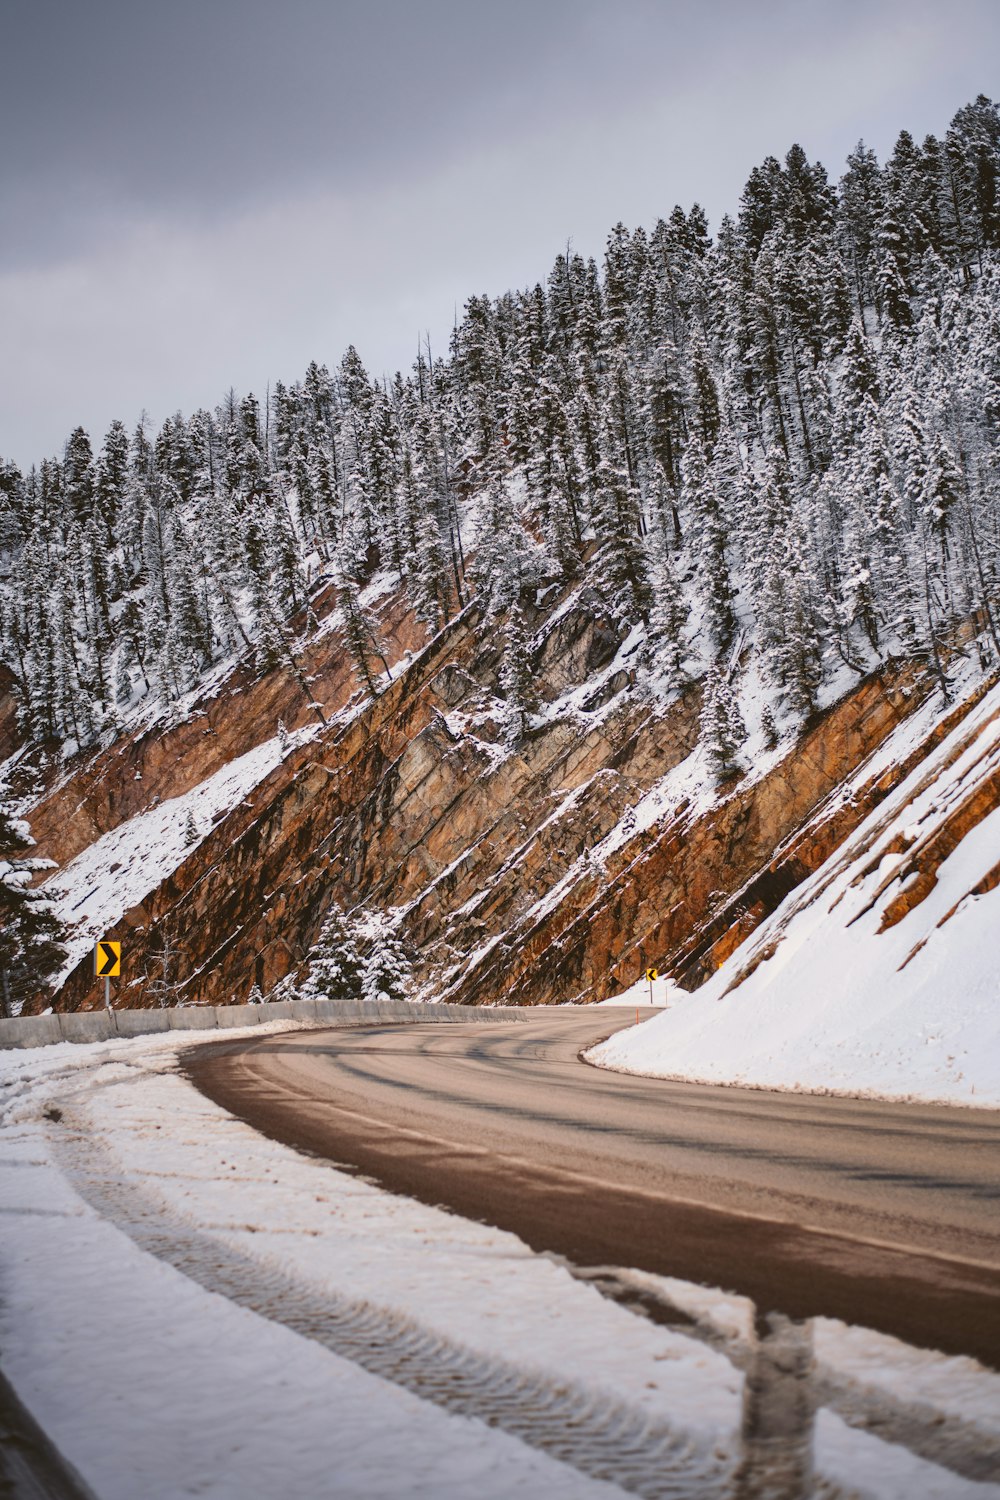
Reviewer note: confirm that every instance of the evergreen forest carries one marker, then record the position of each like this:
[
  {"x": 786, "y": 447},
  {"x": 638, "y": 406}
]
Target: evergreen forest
[{"x": 780, "y": 441}]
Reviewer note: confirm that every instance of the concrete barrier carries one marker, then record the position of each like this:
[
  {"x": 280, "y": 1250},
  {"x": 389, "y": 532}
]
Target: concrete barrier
[
  {"x": 237, "y": 1015},
  {"x": 308, "y": 1010},
  {"x": 30, "y": 1031},
  {"x": 99, "y": 1026},
  {"x": 192, "y": 1018},
  {"x": 141, "y": 1022},
  {"x": 86, "y": 1026},
  {"x": 279, "y": 1010},
  {"x": 339, "y": 1010},
  {"x": 328, "y": 1010}
]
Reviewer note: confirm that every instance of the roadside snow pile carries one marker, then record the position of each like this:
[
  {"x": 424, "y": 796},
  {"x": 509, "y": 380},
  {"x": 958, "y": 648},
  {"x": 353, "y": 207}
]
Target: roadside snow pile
[
  {"x": 95, "y": 890},
  {"x": 880, "y": 976}
]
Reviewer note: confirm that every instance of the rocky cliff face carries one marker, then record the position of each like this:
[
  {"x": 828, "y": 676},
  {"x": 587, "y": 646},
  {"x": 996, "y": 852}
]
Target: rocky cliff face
[
  {"x": 171, "y": 755},
  {"x": 553, "y": 869},
  {"x": 685, "y": 892}
]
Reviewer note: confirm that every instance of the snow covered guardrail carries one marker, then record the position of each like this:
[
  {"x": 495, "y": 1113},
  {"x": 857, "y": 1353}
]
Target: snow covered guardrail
[{"x": 101, "y": 1025}]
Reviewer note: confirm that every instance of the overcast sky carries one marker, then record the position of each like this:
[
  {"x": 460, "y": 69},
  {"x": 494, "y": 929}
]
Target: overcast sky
[{"x": 205, "y": 193}]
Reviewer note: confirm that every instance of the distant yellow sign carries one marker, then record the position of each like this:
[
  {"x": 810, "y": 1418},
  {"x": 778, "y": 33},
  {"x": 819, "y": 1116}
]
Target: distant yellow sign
[
  {"x": 107, "y": 959},
  {"x": 652, "y": 974}
]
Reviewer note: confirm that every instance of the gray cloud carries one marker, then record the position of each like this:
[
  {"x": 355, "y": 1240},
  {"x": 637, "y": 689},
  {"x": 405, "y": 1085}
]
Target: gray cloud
[
  {"x": 197, "y": 106},
  {"x": 212, "y": 192}
]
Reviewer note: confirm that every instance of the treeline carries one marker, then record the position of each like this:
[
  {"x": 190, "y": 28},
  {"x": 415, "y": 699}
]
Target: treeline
[{"x": 787, "y": 434}]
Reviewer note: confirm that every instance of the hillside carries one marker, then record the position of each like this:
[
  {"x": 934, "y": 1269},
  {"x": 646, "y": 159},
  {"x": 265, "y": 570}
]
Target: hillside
[
  {"x": 575, "y": 651},
  {"x": 879, "y": 975},
  {"x": 557, "y": 869}
]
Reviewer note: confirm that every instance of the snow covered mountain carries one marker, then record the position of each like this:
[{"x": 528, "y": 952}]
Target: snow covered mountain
[{"x": 573, "y": 652}]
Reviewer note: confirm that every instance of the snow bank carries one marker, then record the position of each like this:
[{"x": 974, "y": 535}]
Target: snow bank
[{"x": 909, "y": 1013}]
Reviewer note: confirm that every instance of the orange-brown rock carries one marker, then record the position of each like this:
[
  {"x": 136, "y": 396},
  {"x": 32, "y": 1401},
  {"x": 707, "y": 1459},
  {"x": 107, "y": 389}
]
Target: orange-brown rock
[
  {"x": 411, "y": 802},
  {"x": 684, "y": 894},
  {"x": 174, "y": 754}
]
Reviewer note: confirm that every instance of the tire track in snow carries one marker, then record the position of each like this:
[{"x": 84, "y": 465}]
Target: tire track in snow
[
  {"x": 587, "y": 1430},
  {"x": 950, "y": 1442}
]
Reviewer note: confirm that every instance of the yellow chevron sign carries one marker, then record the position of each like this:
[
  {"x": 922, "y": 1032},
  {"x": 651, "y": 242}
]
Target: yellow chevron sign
[
  {"x": 652, "y": 974},
  {"x": 107, "y": 959}
]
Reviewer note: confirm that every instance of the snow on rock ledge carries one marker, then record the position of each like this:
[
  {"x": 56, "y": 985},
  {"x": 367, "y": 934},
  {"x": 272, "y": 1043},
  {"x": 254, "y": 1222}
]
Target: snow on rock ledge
[
  {"x": 880, "y": 976},
  {"x": 93, "y": 892}
]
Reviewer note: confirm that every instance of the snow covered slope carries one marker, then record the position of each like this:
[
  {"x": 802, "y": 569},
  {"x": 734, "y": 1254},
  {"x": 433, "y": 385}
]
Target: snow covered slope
[
  {"x": 881, "y": 974},
  {"x": 118, "y": 870}
]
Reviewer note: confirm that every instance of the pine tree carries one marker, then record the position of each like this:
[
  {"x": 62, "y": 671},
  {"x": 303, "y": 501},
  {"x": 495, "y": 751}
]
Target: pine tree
[
  {"x": 704, "y": 396},
  {"x": 702, "y": 503},
  {"x": 360, "y": 634},
  {"x": 722, "y": 727},
  {"x": 387, "y": 968},
  {"x": 892, "y": 286},
  {"x": 516, "y": 676},
  {"x": 668, "y": 616},
  {"x": 31, "y": 935},
  {"x": 335, "y": 964},
  {"x": 619, "y": 565},
  {"x": 507, "y": 561},
  {"x": 79, "y": 475},
  {"x": 860, "y": 204},
  {"x": 112, "y": 479},
  {"x": 783, "y": 601}
]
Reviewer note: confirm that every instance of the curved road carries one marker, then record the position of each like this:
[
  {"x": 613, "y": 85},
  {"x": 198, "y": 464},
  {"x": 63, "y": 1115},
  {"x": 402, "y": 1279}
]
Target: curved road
[{"x": 880, "y": 1214}]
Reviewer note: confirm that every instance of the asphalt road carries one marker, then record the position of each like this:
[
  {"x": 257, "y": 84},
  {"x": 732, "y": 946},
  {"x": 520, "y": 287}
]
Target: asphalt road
[{"x": 880, "y": 1214}]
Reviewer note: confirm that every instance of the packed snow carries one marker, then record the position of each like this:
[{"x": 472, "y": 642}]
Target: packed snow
[
  {"x": 155, "y": 1382},
  {"x": 909, "y": 1013}
]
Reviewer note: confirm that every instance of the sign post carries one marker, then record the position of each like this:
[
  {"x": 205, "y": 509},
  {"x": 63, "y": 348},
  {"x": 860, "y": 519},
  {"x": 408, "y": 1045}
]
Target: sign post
[
  {"x": 107, "y": 964},
  {"x": 651, "y": 974}
]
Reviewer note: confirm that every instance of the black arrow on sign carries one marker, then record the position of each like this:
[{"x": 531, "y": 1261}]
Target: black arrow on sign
[{"x": 107, "y": 959}]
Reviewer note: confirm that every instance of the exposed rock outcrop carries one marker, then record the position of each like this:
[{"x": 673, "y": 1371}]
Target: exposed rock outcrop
[{"x": 490, "y": 852}]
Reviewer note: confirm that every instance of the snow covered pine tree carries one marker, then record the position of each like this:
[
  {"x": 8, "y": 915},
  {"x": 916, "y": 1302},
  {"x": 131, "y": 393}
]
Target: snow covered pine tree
[{"x": 30, "y": 934}]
